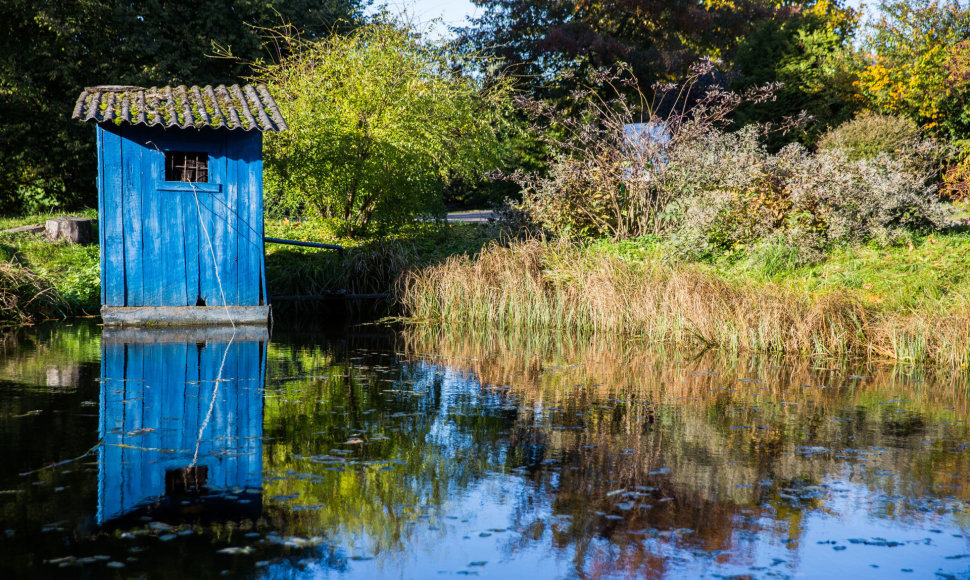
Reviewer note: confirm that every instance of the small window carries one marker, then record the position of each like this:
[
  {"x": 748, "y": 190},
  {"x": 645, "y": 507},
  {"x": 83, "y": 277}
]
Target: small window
[{"x": 190, "y": 166}]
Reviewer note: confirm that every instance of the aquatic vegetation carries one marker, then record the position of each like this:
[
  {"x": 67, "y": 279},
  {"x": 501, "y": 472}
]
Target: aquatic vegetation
[
  {"x": 537, "y": 284},
  {"x": 25, "y": 296}
]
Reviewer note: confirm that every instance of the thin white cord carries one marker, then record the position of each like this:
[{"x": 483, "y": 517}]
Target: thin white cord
[
  {"x": 222, "y": 365},
  {"x": 212, "y": 252},
  {"x": 212, "y": 403}
]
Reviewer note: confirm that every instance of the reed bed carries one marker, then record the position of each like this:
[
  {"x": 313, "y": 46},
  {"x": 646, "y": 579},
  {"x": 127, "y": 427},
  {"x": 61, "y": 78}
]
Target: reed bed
[
  {"x": 26, "y": 297},
  {"x": 536, "y": 284}
]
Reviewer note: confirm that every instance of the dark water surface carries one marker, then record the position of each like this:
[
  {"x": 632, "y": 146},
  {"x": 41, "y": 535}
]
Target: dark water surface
[{"x": 368, "y": 453}]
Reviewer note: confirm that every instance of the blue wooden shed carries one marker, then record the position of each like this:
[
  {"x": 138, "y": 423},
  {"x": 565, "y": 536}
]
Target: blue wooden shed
[{"x": 180, "y": 202}]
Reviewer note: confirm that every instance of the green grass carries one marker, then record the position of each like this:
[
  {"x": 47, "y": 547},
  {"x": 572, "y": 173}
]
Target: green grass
[
  {"x": 367, "y": 266},
  {"x": 933, "y": 272},
  {"x": 41, "y": 219},
  {"x": 65, "y": 275}
]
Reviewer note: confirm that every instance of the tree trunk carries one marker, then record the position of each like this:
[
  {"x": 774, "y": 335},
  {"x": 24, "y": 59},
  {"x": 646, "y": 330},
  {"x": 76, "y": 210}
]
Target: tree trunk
[{"x": 72, "y": 229}]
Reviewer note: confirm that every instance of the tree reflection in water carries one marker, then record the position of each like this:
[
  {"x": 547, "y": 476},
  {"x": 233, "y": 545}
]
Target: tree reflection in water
[
  {"x": 384, "y": 453},
  {"x": 631, "y": 459}
]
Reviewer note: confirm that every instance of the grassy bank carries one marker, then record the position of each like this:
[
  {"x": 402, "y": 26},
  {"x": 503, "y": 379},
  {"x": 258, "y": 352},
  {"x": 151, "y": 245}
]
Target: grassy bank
[
  {"x": 905, "y": 303},
  {"x": 40, "y": 279},
  {"x": 910, "y": 302},
  {"x": 368, "y": 265}
]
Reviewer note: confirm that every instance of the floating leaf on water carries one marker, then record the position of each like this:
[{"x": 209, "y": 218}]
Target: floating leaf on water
[
  {"x": 29, "y": 413},
  {"x": 235, "y": 550},
  {"x": 875, "y": 542}
]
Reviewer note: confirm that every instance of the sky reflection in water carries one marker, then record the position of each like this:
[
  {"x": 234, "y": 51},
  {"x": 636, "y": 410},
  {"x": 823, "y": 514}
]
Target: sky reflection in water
[{"x": 379, "y": 454}]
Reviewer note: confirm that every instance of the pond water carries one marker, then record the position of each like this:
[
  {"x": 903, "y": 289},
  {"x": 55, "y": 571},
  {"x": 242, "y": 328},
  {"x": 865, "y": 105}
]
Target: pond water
[{"x": 367, "y": 452}]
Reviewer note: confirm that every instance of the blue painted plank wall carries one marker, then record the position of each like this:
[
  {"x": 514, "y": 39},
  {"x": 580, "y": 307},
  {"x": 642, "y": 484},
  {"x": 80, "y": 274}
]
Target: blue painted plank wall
[
  {"x": 112, "y": 217},
  {"x": 133, "y": 216},
  {"x": 246, "y": 150},
  {"x": 100, "y": 182},
  {"x": 171, "y": 244}
]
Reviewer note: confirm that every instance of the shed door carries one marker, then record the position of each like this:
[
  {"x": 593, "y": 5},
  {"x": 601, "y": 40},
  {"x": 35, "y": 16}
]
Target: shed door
[{"x": 183, "y": 254}]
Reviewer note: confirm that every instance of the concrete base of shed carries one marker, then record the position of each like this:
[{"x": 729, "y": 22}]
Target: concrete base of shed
[{"x": 183, "y": 315}]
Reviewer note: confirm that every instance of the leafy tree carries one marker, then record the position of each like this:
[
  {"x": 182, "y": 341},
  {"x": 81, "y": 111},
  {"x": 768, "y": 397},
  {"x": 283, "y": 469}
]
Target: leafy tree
[
  {"x": 379, "y": 123},
  {"x": 917, "y": 64},
  {"x": 810, "y": 55},
  {"x": 552, "y": 44},
  {"x": 51, "y": 49}
]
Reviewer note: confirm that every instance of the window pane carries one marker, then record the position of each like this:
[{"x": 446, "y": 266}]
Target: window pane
[{"x": 191, "y": 166}]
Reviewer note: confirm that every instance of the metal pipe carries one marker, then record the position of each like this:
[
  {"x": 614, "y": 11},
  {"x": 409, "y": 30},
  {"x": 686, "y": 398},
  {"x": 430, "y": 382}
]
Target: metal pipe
[
  {"x": 334, "y": 296},
  {"x": 305, "y": 244}
]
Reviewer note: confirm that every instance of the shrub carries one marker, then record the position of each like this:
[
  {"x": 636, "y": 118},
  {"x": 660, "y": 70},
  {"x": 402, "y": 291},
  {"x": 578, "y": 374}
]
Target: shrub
[
  {"x": 811, "y": 54},
  {"x": 379, "y": 123},
  {"x": 916, "y": 64},
  {"x": 608, "y": 171},
  {"x": 740, "y": 195},
  {"x": 956, "y": 180},
  {"x": 870, "y": 134}
]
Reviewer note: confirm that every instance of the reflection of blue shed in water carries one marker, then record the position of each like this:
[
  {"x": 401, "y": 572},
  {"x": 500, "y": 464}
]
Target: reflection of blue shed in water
[
  {"x": 180, "y": 201},
  {"x": 181, "y": 420}
]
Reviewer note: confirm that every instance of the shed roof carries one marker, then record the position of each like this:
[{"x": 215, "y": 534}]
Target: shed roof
[{"x": 235, "y": 107}]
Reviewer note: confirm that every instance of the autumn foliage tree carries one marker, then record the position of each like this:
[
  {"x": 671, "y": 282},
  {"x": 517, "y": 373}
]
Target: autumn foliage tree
[
  {"x": 918, "y": 65},
  {"x": 547, "y": 42}
]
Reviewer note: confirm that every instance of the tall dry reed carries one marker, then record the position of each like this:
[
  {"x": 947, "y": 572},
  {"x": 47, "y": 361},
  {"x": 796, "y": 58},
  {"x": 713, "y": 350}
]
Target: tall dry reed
[
  {"x": 26, "y": 297},
  {"x": 537, "y": 284}
]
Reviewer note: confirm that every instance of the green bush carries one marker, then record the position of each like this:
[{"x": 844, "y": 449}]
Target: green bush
[
  {"x": 379, "y": 124},
  {"x": 810, "y": 54},
  {"x": 870, "y": 134}
]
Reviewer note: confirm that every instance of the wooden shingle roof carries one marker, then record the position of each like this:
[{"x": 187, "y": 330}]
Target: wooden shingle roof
[{"x": 233, "y": 107}]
